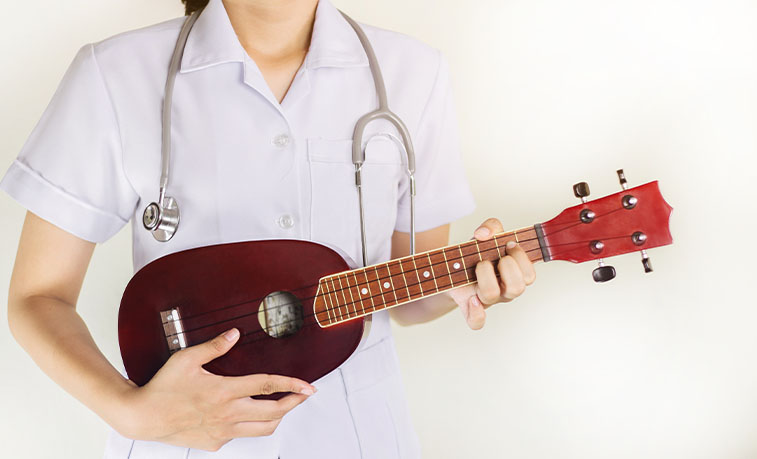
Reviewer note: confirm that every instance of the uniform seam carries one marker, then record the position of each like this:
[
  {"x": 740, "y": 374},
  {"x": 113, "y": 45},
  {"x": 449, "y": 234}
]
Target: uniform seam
[
  {"x": 35, "y": 175},
  {"x": 115, "y": 117},
  {"x": 352, "y": 416},
  {"x": 433, "y": 87}
]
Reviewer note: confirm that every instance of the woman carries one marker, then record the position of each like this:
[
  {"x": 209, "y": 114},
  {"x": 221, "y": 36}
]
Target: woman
[{"x": 264, "y": 107}]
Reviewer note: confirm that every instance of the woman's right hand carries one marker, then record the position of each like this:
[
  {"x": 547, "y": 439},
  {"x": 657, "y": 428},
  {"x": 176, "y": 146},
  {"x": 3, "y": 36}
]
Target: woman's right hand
[{"x": 185, "y": 405}]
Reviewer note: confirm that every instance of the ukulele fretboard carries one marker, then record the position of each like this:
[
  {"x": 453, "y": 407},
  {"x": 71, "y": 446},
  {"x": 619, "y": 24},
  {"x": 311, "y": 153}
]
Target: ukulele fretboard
[{"x": 357, "y": 293}]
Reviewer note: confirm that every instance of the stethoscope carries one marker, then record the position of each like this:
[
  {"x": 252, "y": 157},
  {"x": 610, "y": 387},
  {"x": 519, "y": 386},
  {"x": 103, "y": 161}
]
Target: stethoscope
[{"x": 162, "y": 217}]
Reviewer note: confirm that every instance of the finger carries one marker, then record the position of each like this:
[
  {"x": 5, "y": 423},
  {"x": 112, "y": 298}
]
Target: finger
[
  {"x": 524, "y": 263},
  {"x": 262, "y": 384},
  {"x": 216, "y": 347},
  {"x": 512, "y": 283},
  {"x": 253, "y": 428},
  {"x": 487, "y": 289},
  {"x": 475, "y": 315},
  {"x": 277, "y": 409},
  {"x": 488, "y": 228},
  {"x": 247, "y": 409}
]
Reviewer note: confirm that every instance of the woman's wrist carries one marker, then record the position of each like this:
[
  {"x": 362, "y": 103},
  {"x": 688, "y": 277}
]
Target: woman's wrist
[{"x": 123, "y": 410}]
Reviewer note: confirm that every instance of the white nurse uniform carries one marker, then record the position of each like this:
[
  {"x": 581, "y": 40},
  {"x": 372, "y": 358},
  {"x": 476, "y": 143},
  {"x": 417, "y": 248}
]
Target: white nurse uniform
[{"x": 245, "y": 166}]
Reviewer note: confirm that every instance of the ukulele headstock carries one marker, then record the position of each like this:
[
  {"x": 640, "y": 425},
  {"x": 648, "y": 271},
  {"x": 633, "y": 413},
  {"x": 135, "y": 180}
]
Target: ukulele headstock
[{"x": 633, "y": 220}]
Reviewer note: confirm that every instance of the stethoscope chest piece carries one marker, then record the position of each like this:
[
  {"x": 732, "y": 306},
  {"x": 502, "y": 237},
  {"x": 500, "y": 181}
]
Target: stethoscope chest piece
[{"x": 162, "y": 221}]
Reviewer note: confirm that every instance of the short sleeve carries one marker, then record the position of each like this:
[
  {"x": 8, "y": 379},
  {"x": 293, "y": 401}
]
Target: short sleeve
[
  {"x": 442, "y": 191},
  {"x": 70, "y": 170}
]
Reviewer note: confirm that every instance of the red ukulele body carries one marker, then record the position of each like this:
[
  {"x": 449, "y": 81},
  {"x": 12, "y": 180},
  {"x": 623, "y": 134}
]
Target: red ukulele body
[{"x": 219, "y": 287}]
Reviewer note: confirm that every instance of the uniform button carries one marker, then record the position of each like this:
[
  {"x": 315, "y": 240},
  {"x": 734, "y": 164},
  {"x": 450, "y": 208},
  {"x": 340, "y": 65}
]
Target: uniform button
[
  {"x": 281, "y": 140},
  {"x": 286, "y": 221}
]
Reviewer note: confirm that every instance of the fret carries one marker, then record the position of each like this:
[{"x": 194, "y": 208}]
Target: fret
[
  {"x": 462, "y": 260},
  {"x": 439, "y": 267},
  {"x": 455, "y": 266},
  {"x": 413, "y": 279},
  {"x": 344, "y": 296},
  {"x": 353, "y": 301},
  {"x": 338, "y": 307},
  {"x": 530, "y": 243},
  {"x": 471, "y": 257},
  {"x": 327, "y": 301},
  {"x": 366, "y": 289},
  {"x": 401, "y": 291},
  {"x": 501, "y": 248},
  {"x": 488, "y": 250},
  {"x": 423, "y": 266},
  {"x": 375, "y": 287},
  {"x": 359, "y": 290},
  {"x": 387, "y": 289}
]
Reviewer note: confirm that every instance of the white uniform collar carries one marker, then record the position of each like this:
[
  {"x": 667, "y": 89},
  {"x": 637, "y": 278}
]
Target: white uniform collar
[{"x": 213, "y": 40}]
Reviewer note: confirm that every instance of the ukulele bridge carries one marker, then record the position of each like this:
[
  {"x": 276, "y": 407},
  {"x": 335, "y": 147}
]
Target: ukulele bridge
[{"x": 174, "y": 330}]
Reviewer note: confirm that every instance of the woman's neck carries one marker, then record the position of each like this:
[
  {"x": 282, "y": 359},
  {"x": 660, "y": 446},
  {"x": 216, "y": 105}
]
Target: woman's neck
[{"x": 272, "y": 31}]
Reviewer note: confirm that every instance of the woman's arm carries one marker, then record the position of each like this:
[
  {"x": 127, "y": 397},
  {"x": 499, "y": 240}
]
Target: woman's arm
[
  {"x": 515, "y": 269},
  {"x": 182, "y": 405}
]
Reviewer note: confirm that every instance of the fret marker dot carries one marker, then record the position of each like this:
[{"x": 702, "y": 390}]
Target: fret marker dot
[
  {"x": 364, "y": 291},
  {"x": 386, "y": 284},
  {"x": 426, "y": 273},
  {"x": 456, "y": 266},
  {"x": 176, "y": 341}
]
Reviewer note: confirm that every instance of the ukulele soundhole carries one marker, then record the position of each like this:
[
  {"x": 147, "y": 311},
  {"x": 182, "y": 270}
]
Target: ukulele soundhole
[{"x": 280, "y": 314}]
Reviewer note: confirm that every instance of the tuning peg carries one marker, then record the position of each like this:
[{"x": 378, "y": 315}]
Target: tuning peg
[
  {"x": 622, "y": 178},
  {"x": 603, "y": 273},
  {"x": 581, "y": 190},
  {"x": 645, "y": 262}
]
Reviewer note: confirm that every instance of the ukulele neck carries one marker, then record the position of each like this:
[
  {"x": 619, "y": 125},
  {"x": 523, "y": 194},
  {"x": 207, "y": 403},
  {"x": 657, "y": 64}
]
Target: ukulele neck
[{"x": 351, "y": 294}]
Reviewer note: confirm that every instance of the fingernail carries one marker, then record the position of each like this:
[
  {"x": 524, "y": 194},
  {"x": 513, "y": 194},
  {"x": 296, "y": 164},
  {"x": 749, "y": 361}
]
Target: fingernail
[
  {"x": 482, "y": 232},
  {"x": 476, "y": 301},
  {"x": 231, "y": 335},
  {"x": 511, "y": 244},
  {"x": 307, "y": 391}
]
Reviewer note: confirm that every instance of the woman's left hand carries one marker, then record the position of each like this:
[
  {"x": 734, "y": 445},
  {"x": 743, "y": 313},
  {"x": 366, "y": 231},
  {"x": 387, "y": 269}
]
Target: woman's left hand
[{"x": 516, "y": 272}]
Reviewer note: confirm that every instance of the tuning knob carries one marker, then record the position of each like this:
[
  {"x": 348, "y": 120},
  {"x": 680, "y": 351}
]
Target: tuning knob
[
  {"x": 645, "y": 262},
  {"x": 581, "y": 190},
  {"x": 604, "y": 273},
  {"x": 622, "y": 179}
]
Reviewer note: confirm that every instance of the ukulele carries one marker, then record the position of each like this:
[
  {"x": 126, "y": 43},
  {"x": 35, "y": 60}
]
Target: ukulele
[{"x": 301, "y": 310}]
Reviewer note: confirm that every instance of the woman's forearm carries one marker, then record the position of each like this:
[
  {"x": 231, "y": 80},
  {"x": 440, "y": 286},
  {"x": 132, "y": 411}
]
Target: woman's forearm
[{"x": 55, "y": 336}]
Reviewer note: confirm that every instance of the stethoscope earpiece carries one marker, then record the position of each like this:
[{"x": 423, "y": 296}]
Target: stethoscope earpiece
[{"x": 162, "y": 221}]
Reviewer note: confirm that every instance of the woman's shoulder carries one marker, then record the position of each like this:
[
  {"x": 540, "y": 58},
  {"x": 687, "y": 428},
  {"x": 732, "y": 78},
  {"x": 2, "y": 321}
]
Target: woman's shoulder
[
  {"x": 139, "y": 44},
  {"x": 399, "y": 46}
]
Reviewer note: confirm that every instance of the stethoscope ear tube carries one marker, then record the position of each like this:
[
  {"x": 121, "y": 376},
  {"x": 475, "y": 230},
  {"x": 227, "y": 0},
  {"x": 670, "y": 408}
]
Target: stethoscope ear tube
[
  {"x": 358, "y": 149},
  {"x": 161, "y": 218}
]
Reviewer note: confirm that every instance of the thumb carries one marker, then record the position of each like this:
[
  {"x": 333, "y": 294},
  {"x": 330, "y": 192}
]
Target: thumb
[{"x": 216, "y": 347}]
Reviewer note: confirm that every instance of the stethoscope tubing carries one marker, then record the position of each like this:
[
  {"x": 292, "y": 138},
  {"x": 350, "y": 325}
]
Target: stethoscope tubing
[{"x": 166, "y": 223}]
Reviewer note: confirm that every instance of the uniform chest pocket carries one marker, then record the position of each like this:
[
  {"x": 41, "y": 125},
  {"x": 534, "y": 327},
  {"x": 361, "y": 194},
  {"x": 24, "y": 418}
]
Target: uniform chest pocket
[{"x": 334, "y": 209}]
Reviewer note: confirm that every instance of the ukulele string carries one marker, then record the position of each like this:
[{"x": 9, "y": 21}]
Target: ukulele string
[
  {"x": 568, "y": 226},
  {"x": 248, "y": 314},
  {"x": 367, "y": 283},
  {"x": 264, "y": 330},
  {"x": 347, "y": 303}
]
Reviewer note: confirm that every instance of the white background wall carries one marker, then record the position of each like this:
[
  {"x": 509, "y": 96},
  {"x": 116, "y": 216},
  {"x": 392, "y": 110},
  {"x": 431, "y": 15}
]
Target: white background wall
[{"x": 549, "y": 93}]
